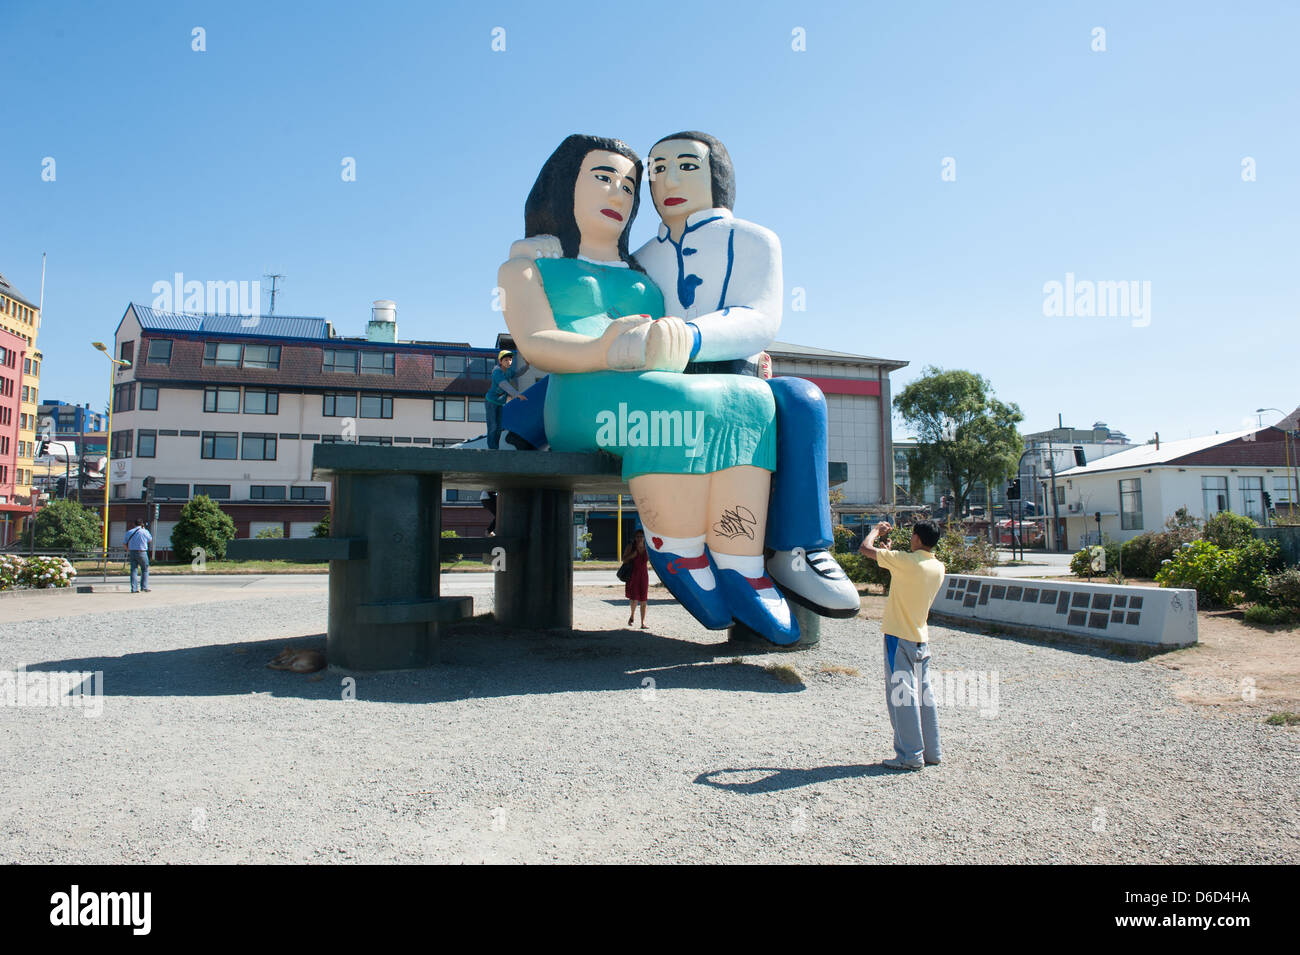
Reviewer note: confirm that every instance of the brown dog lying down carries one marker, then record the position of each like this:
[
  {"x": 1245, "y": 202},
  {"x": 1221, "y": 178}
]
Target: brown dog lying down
[{"x": 299, "y": 661}]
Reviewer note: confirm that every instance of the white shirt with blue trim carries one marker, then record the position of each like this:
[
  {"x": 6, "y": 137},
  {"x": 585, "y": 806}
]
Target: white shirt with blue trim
[{"x": 724, "y": 277}]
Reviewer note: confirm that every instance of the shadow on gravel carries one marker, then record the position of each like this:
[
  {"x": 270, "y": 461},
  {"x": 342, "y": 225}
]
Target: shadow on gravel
[
  {"x": 777, "y": 779},
  {"x": 475, "y": 662}
]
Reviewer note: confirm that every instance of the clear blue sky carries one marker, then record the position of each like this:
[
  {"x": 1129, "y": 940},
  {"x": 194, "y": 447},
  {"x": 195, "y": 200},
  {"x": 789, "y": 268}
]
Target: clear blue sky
[{"x": 1115, "y": 165}]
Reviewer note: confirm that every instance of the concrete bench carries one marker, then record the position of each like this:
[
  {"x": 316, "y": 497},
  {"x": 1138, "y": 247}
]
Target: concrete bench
[{"x": 385, "y": 604}]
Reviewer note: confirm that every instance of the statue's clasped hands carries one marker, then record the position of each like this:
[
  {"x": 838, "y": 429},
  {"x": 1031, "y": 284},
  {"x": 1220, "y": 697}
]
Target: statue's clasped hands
[
  {"x": 642, "y": 343},
  {"x": 634, "y": 342}
]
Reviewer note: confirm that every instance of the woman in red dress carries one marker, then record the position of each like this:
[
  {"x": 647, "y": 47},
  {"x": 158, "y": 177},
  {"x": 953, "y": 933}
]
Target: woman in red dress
[{"x": 637, "y": 588}]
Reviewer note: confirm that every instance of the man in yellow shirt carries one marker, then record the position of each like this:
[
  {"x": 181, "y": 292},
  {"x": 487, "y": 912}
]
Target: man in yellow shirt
[{"x": 914, "y": 581}]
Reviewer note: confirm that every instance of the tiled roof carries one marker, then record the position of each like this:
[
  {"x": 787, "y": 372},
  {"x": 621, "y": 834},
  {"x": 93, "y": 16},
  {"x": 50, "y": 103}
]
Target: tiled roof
[{"x": 268, "y": 326}]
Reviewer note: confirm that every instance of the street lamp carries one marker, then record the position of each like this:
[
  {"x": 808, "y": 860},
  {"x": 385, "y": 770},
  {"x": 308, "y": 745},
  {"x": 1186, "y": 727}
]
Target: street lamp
[{"x": 109, "y": 458}]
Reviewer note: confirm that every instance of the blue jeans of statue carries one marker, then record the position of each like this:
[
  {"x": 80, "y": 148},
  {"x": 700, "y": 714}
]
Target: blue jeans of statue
[
  {"x": 493, "y": 424},
  {"x": 139, "y": 559}
]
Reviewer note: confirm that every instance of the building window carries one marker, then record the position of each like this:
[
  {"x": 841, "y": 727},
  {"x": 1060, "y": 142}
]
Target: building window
[
  {"x": 383, "y": 442},
  {"x": 119, "y": 491},
  {"x": 340, "y": 362},
  {"x": 127, "y": 352},
  {"x": 1283, "y": 490},
  {"x": 376, "y": 406},
  {"x": 221, "y": 400},
  {"x": 449, "y": 409},
  {"x": 1252, "y": 497},
  {"x": 259, "y": 447},
  {"x": 160, "y": 351},
  {"x": 1214, "y": 495},
  {"x": 123, "y": 397},
  {"x": 220, "y": 446},
  {"x": 222, "y": 354},
  {"x": 146, "y": 446},
  {"x": 148, "y": 397},
  {"x": 307, "y": 493},
  {"x": 377, "y": 362},
  {"x": 448, "y": 366},
  {"x": 477, "y": 409},
  {"x": 215, "y": 491},
  {"x": 262, "y": 356},
  {"x": 266, "y": 492},
  {"x": 171, "y": 492},
  {"x": 339, "y": 404},
  {"x": 121, "y": 444},
  {"x": 257, "y": 401},
  {"x": 1130, "y": 505}
]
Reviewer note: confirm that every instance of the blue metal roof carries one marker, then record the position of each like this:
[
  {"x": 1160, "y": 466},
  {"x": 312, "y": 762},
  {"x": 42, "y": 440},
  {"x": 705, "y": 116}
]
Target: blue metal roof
[{"x": 270, "y": 326}]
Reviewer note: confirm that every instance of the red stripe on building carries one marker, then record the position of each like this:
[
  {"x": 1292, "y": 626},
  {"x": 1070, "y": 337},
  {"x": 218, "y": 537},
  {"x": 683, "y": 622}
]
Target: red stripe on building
[{"x": 845, "y": 386}]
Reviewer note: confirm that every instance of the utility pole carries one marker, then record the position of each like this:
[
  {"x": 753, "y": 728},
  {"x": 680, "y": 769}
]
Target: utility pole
[
  {"x": 1056, "y": 508},
  {"x": 274, "y": 288}
]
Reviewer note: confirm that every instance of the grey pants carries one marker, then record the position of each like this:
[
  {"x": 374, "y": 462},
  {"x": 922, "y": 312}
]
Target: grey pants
[{"x": 912, "y": 714}]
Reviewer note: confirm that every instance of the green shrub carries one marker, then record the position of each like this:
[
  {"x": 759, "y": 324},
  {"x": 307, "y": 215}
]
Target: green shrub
[
  {"x": 323, "y": 528},
  {"x": 269, "y": 533},
  {"x": 450, "y": 535},
  {"x": 959, "y": 557},
  {"x": 1283, "y": 589},
  {"x": 1222, "y": 578},
  {"x": 66, "y": 525},
  {"x": 855, "y": 566},
  {"x": 202, "y": 524},
  {"x": 1228, "y": 530},
  {"x": 843, "y": 542},
  {"x": 1143, "y": 555},
  {"x": 1081, "y": 562},
  {"x": 1266, "y": 616}
]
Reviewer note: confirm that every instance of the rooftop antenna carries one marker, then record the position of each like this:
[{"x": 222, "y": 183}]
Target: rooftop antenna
[{"x": 274, "y": 289}]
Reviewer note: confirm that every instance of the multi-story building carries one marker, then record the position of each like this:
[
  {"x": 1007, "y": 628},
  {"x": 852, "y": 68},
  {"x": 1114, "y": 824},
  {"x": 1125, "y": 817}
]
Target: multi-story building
[
  {"x": 231, "y": 407},
  {"x": 22, "y": 319},
  {"x": 11, "y": 512}
]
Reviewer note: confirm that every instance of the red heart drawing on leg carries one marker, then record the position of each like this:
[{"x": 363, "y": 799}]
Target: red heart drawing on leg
[{"x": 658, "y": 542}]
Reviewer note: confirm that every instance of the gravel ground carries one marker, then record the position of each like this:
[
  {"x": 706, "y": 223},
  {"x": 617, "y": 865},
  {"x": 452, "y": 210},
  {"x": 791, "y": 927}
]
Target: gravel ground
[{"x": 609, "y": 745}]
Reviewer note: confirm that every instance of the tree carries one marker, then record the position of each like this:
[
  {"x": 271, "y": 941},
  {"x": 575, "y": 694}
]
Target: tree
[
  {"x": 964, "y": 434},
  {"x": 202, "y": 524},
  {"x": 323, "y": 528},
  {"x": 66, "y": 525}
]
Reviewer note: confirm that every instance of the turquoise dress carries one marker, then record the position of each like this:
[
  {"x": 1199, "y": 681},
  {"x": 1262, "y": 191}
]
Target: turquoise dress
[{"x": 658, "y": 422}]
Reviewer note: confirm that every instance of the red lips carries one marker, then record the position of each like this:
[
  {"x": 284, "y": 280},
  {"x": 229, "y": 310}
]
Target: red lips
[
  {"x": 612, "y": 214},
  {"x": 674, "y": 201}
]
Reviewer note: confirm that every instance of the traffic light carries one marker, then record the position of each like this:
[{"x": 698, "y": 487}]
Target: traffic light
[
  {"x": 146, "y": 492},
  {"x": 1268, "y": 501},
  {"x": 1013, "y": 490}
]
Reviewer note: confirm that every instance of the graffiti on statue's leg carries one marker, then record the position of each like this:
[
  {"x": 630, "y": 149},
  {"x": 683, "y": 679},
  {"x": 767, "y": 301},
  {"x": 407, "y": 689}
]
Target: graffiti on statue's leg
[{"x": 736, "y": 521}]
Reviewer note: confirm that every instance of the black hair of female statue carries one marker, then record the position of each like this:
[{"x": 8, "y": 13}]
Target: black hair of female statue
[
  {"x": 549, "y": 209},
  {"x": 722, "y": 174}
]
